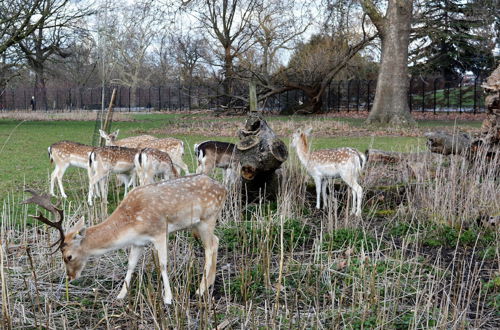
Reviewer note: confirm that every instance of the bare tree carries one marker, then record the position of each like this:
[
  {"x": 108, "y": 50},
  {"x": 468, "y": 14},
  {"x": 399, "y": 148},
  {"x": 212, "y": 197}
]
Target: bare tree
[
  {"x": 391, "y": 99},
  {"x": 315, "y": 64},
  {"x": 50, "y": 41},
  {"x": 131, "y": 41},
  {"x": 229, "y": 22},
  {"x": 19, "y": 19}
]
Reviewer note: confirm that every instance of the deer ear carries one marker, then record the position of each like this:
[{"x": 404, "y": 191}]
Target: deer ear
[
  {"x": 115, "y": 133},
  {"x": 308, "y": 131},
  {"x": 103, "y": 134},
  {"x": 79, "y": 227}
]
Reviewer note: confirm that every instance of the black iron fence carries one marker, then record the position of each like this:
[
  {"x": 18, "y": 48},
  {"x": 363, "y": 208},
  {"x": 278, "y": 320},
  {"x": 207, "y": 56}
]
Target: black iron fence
[{"x": 425, "y": 94}]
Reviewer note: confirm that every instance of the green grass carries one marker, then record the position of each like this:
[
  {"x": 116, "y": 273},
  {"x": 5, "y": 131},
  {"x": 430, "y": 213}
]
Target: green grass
[{"x": 24, "y": 144}]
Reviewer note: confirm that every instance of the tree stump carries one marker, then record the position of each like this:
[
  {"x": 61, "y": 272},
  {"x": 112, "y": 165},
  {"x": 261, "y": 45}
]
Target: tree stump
[{"x": 261, "y": 154}]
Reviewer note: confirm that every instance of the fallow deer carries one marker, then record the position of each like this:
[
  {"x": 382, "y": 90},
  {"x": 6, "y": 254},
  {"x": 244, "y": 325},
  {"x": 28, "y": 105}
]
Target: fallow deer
[
  {"x": 151, "y": 162},
  {"x": 65, "y": 154},
  {"x": 148, "y": 214},
  {"x": 106, "y": 160},
  {"x": 216, "y": 154},
  {"x": 129, "y": 142},
  {"x": 173, "y": 147},
  {"x": 345, "y": 163}
]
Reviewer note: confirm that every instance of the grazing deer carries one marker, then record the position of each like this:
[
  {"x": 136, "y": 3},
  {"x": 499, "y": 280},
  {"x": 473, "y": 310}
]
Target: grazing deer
[
  {"x": 173, "y": 147},
  {"x": 105, "y": 160},
  {"x": 216, "y": 154},
  {"x": 151, "y": 162},
  {"x": 64, "y": 154},
  {"x": 130, "y": 142},
  {"x": 345, "y": 163},
  {"x": 148, "y": 214}
]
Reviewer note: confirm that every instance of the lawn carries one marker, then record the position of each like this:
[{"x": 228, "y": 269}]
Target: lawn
[{"x": 420, "y": 257}]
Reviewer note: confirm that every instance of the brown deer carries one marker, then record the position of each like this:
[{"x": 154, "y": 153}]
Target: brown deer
[
  {"x": 65, "y": 154},
  {"x": 106, "y": 160},
  {"x": 345, "y": 163},
  {"x": 130, "y": 142},
  {"x": 174, "y": 147},
  {"x": 148, "y": 214},
  {"x": 150, "y": 163},
  {"x": 217, "y": 154}
]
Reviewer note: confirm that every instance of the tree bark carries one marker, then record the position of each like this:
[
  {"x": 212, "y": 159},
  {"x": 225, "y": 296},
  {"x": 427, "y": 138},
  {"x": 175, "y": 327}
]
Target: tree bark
[
  {"x": 390, "y": 105},
  {"x": 261, "y": 154}
]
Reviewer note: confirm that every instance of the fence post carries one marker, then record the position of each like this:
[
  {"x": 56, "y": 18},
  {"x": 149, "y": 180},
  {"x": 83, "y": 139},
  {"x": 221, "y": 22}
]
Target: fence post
[
  {"x": 435, "y": 100},
  {"x": 423, "y": 96},
  {"x": 460, "y": 94},
  {"x": 410, "y": 94},
  {"x": 348, "y": 94},
  {"x": 339, "y": 98},
  {"x": 475, "y": 94},
  {"x": 159, "y": 98},
  {"x": 357, "y": 97},
  {"x": 368, "y": 95}
]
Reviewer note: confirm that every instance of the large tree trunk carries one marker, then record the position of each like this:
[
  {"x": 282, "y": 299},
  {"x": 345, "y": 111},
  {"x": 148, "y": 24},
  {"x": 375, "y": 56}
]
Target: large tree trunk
[
  {"x": 391, "y": 97},
  {"x": 260, "y": 153}
]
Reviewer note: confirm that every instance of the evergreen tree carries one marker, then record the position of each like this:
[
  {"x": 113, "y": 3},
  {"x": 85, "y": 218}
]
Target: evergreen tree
[{"x": 455, "y": 36}]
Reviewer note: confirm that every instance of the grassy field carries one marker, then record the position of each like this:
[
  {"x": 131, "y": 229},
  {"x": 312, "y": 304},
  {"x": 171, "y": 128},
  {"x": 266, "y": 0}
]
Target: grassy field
[{"x": 422, "y": 255}]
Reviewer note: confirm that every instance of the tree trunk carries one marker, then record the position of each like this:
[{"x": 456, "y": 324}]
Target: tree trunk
[
  {"x": 391, "y": 97},
  {"x": 261, "y": 153},
  {"x": 228, "y": 77},
  {"x": 40, "y": 87}
]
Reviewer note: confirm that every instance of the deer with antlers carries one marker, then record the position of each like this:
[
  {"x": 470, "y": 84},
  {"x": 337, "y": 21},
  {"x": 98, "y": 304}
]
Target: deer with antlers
[
  {"x": 65, "y": 154},
  {"x": 174, "y": 147},
  {"x": 150, "y": 163},
  {"x": 148, "y": 214},
  {"x": 345, "y": 163}
]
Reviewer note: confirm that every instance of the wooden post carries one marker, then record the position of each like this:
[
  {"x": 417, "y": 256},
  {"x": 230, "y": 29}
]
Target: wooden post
[
  {"x": 109, "y": 116},
  {"x": 252, "y": 98}
]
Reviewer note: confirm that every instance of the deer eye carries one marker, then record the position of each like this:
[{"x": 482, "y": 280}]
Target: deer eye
[{"x": 68, "y": 258}]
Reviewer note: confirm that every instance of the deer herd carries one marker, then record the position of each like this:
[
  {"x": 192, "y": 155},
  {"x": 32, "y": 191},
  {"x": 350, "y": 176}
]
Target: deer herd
[{"x": 149, "y": 212}]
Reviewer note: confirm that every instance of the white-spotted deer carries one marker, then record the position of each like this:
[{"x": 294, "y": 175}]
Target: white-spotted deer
[
  {"x": 129, "y": 142},
  {"x": 148, "y": 214},
  {"x": 65, "y": 154},
  {"x": 173, "y": 147},
  {"x": 345, "y": 163},
  {"x": 150, "y": 163},
  {"x": 106, "y": 160},
  {"x": 216, "y": 154}
]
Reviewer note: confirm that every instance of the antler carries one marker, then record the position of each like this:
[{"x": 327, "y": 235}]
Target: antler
[{"x": 43, "y": 200}]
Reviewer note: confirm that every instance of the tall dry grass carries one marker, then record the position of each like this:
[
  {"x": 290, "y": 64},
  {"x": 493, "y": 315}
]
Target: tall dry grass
[{"x": 281, "y": 264}]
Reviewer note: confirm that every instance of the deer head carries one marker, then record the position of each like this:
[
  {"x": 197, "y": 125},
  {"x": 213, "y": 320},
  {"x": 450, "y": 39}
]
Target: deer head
[
  {"x": 69, "y": 243},
  {"x": 109, "y": 138}
]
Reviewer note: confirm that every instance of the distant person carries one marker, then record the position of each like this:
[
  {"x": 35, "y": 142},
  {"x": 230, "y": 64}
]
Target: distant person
[{"x": 33, "y": 103}]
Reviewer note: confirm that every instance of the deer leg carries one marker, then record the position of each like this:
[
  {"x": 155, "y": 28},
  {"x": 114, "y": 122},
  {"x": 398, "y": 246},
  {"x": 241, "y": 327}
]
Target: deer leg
[
  {"x": 160, "y": 244},
  {"x": 324, "y": 184},
  {"x": 59, "y": 175},
  {"x": 210, "y": 244},
  {"x": 357, "y": 193},
  {"x": 133, "y": 258},
  {"x": 317, "y": 182}
]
